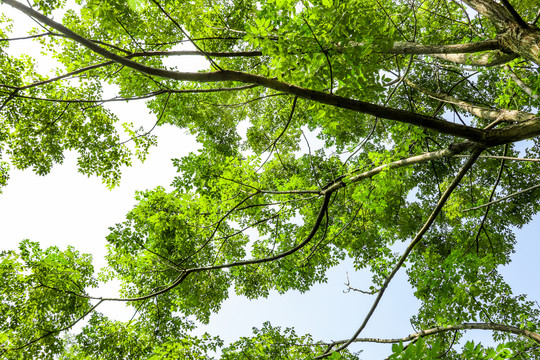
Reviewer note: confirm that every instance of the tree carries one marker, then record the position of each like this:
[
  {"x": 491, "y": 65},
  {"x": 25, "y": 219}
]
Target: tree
[{"x": 423, "y": 108}]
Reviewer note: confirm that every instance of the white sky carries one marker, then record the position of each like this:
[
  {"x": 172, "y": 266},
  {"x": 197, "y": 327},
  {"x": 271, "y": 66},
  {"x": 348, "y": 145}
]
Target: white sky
[{"x": 66, "y": 207}]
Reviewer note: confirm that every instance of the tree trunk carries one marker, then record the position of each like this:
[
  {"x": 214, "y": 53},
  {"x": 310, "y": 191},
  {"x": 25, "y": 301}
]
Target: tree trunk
[{"x": 514, "y": 34}]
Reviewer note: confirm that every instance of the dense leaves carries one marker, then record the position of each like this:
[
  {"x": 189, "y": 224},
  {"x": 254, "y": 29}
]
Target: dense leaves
[
  {"x": 38, "y": 298},
  {"x": 370, "y": 126}
]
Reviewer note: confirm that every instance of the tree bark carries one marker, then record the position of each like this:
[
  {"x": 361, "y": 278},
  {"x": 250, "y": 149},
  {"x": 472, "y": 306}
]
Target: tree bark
[
  {"x": 498, "y": 14},
  {"x": 520, "y": 38},
  {"x": 522, "y": 41}
]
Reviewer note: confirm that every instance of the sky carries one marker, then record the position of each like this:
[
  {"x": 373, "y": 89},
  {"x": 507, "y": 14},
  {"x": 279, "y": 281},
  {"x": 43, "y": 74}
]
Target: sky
[{"x": 67, "y": 208}]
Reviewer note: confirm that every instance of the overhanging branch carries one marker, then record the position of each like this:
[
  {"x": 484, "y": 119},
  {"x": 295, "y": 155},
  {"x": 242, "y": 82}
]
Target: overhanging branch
[{"x": 445, "y": 127}]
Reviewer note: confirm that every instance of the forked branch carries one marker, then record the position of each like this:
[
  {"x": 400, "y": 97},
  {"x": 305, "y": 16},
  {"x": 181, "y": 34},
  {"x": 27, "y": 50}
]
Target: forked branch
[{"x": 442, "y": 201}]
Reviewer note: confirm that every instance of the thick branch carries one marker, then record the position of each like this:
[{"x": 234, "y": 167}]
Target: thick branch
[
  {"x": 459, "y": 53},
  {"x": 438, "y": 125},
  {"x": 493, "y": 58},
  {"x": 498, "y": 14},
  {"x": 481, "y": 112},
  {"x": 445, "y": 153},
  {"x": 518, "y": 132},
  {"x": 514, "y": 33},
  {"x": 503, "y": 157},
  {"x": 414, "y": 48}
]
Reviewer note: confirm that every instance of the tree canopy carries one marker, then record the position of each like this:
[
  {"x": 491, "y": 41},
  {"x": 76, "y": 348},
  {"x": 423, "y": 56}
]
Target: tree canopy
[{"x": 427, "y": 115}]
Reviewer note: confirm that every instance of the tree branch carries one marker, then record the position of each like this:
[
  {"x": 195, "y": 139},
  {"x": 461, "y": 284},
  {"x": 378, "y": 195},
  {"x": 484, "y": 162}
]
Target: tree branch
[
  {"x": 418, "y": 49},
  {"x": 183, "y": 275},
  {"x": 503, "y": 198},
  {"x": 526, "y": 88},
  {"x": 274, "y": 143},
  {"x": 472, "y": 159},
  {"x": 498, "y": 14},
  {"x": 481, "y": 112},
  {"x": 490, "y": 138},
  {"x": 436, "y": 124},
  {"x": 440, "y": 329},
  {"x": 185, "y": 34},
  {"x": 490, "y": 59},
  {"x": 514, "y": 14},
  {"x": 484, "y": 218},
  {"x": 52, "y": 332},
  {"x": 502, "y": 157},
  {"x": 445, "y": 153}
]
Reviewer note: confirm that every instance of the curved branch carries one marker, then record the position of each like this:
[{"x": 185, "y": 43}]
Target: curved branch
[
  {"x": 151, "y": 129},
  {"x": 325, "y": 54},
  {"x": 52, "y": 332},
  {"x": 457, "y": 179},
  {"x": 436, "y": 124},
  {"x": 183, "y": 275},
  {"x": 274, "y": 143},
  {"x": 440, "y": 329}
]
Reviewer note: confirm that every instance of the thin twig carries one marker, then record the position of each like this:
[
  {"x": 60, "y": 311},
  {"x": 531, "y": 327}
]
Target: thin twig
[
  {"x": 350, "y": 288},
  {"x": 503, "y": 198},
  {"x": 153, "y": 127},
  {"x": 440, "y": 329},
  {"x": 499, "y": 175},
  {"x": 52, "y": 332},
  {"x": 496, "y": 157},
  {"x": 274, "y": 143},
  {"x": 325, "y": 52},
  {"x": 186, "y": 34}
]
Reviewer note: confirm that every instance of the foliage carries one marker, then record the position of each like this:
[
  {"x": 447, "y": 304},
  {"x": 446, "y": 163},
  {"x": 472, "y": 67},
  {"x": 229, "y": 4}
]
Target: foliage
[{"x": 420, "y": 108}]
